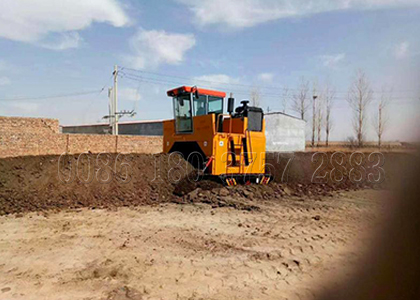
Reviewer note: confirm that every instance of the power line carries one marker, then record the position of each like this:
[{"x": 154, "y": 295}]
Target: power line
[
  {"x": 240, "y": 92},
  {"x": 240, "y": 85},
  {"x": 91, "y": 102},
  {"x": 190, "y": 78},
  {"x": 54, "y": 96},
  {"x": 168, "y": 82}
]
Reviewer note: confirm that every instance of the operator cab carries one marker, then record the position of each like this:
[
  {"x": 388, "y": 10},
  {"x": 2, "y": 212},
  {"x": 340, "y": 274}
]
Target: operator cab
[{"x": 189, "y": 102}]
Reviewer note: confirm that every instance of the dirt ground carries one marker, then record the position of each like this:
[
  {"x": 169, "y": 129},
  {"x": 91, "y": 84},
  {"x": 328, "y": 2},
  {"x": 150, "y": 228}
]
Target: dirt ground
[
  {"x": 290, "y": 248},
  {"x": 153, "y": 237}
]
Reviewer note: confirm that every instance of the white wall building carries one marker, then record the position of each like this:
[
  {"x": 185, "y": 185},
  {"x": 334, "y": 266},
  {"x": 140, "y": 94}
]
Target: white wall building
[{"x": 284, "y": 133}]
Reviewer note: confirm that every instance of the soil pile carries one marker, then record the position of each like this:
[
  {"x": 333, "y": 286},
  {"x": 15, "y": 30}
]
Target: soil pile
[{"x": 36, "y": 183}]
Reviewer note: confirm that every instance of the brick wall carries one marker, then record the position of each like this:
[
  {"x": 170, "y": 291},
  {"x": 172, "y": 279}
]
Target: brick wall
[
  {"x": 35, "y": 136},
  {"x": 28, "y": 125}
]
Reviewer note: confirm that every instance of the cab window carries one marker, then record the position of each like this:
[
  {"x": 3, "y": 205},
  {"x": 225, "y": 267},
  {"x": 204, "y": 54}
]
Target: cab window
[
  {"x": 200, "y": 107},
  {"x": 215, "y": 105},
  {"x": 183, "y": 113}
]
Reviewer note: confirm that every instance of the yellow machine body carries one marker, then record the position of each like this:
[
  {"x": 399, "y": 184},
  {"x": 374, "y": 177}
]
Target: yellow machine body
[{"x": 225, "y": 141}]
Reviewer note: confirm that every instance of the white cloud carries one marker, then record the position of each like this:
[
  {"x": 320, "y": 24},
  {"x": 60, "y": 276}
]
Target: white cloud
[
  {"x": 129, "y": 94},
  {"x": 5, "y": 81},
  {"x": 247, "y": 13},
  {"x": 266, "y": 77},
  {"x": 64, "y": 41},
  {"x": 331, "y": 61},
  {"x": 215, "y": 80},
  {"x": 155, "y": 47},
  {"x": 401, "y": 50},
  {"x": 33, "y": 20}
]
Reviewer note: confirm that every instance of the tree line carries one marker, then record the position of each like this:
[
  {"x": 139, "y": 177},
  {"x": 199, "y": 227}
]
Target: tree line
[{"x": 317, "y": 104}]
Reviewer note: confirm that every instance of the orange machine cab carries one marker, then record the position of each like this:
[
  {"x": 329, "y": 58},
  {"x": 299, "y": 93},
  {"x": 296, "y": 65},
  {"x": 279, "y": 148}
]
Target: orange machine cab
[{"x": 220, "y": 144}]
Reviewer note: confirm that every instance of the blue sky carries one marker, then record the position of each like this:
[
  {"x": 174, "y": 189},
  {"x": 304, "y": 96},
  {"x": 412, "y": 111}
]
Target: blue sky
[{"x": 50, "y": 47}]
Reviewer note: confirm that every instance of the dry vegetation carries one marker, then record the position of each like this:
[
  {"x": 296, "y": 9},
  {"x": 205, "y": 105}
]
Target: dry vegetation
[{"x": 368, "y": 147}]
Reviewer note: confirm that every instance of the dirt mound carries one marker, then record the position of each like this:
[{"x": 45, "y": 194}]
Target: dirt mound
[
  {"x": 190, "y": 183},
  {"x": 50, "y": 182},
  {"x": 338, "y": 170},
  {"x": 37, "y": 183}
]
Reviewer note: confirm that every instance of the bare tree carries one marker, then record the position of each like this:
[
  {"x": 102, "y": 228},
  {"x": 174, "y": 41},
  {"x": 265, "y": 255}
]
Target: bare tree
[
  {"x": 328, "y": 95},
  {"x": 381, "y": 118},
  {"x": 359, "y": 97},
  {"x": 314, "y": 111},
  {"x": 300, "y": 98},
  {"x": 255, "y": 97},
  {"x": 319, "y": 118},
  {"x": 284, "y": 98}
]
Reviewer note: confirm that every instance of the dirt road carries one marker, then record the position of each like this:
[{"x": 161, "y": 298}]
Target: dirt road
[{"x": 288, "y": 249}]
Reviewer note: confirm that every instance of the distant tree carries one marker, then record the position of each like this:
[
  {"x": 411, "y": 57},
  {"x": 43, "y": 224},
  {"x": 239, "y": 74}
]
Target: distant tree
[
  {"x": 300, "y": 99},
  {"x": 255, "y": 97},
  {"x": 315, "y": 96},
  {"x": 328, "y": 95},
  {"x": 359, "y": 97},
  {"x": 381, "y": 118},
  {"x": 320, "y": 117}
]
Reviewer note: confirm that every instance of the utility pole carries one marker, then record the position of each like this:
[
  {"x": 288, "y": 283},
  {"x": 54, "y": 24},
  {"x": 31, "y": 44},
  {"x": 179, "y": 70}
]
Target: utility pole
[
  {"x": 313, "y": 120},
  {"x": 111, "y": 112},
  {"x": 114, "y": 114},
  {"x": 115, "y": 106}
]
